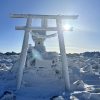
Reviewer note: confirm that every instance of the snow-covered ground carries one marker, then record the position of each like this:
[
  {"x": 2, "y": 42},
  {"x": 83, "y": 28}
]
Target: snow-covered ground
[{"x": 43, "y": 83}]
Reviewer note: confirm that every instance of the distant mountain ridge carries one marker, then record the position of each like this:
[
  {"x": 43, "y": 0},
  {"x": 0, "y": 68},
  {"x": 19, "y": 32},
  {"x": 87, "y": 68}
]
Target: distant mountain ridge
[
  {"x": 9, "y": 53},
  {"x": 91, "y": 54},
  {"x": 85, "y": 54}
]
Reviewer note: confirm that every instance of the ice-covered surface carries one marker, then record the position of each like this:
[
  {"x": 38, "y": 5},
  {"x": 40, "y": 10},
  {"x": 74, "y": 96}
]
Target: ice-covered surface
[{"x": 42, "y": 83}]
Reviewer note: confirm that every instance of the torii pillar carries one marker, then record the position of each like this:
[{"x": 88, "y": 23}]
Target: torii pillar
[
  {"x": 23, "y": 54},
  {"x": 63, "y": 55}
]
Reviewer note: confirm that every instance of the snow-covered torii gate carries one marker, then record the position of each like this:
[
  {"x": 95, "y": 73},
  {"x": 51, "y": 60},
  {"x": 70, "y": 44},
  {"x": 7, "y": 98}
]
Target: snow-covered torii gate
[{"x": 44, "y": 26}]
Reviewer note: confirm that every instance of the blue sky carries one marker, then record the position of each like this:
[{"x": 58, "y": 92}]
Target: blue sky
[{"x": 85, "y": 37}]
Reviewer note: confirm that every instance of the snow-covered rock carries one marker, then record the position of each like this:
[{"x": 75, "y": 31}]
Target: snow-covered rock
[
  {"x": 79, "y": 85},
  {"x": 57, "y": 98},
  {"x": 8, "y": 96}
]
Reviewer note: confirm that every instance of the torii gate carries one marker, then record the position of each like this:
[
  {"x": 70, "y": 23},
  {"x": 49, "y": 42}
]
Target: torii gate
[{"x": 44, "y": 26}]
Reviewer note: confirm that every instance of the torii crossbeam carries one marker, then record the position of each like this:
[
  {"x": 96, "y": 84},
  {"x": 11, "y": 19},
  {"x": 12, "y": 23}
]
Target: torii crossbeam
[{"x": 44, "y": 26}]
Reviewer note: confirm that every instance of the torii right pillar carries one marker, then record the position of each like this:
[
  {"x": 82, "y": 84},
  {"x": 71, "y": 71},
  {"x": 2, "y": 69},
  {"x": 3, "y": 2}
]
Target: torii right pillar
[{"x": 63, "y": 55}]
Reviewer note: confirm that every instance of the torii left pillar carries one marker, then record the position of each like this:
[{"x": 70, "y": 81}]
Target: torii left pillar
[{"x": 23, "y": 54}]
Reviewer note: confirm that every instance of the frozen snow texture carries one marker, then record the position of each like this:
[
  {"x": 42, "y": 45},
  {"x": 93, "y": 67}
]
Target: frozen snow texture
[{"x": 42, "y": 83}]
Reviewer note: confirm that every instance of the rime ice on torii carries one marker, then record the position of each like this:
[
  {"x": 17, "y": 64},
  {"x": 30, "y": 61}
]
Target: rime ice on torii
[{"x": 37, "y": 55}]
